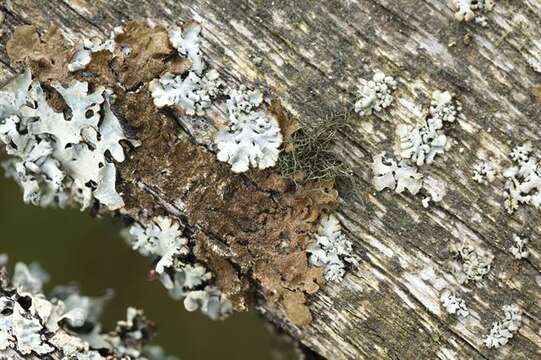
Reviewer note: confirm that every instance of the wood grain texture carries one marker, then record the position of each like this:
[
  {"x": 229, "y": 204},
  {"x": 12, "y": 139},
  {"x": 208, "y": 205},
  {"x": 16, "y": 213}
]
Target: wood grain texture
[{"x": 309, "y": 54}]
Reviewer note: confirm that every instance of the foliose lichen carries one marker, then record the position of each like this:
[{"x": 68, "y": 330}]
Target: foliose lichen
[
  {"x": 502, "y": 331},
  {"x": 523, "y": 185},
  {"x": 453, "y": 304},
  {"x": 57, "y": 157},
  {"x": 472, "y": 263},
  {"x": 395, "y": 175},
  {"x": 331, "y": 249},
  {"x": 519, "y": 248},
  {"x": 375, "y": 95},
  {"x": 484, "y": 173},
  {"x": 422, "y": 143},
  {"x": 468, "y": 10},
  {"x": 63, "y": 325},
  {"x": 162, "y": 238},
  {"x": 252, "y": 137}
]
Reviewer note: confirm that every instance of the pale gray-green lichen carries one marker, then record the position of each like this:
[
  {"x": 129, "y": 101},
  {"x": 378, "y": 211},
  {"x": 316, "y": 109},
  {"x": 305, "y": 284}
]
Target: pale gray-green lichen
[
  {"x": 252, "y": 137},
  {"x": 502, "y": 331},
  {"x": 63, "y": 325},
  {"x": 162, "y": 238},
  {"x": 59, "y": 158},
  {"x": 471, "y": 264},
  {"x": 395, "y": 175},
  {"x": 331, "y": 249},
  {"x": 519, "y": 248},
  {"x": 467, "y": 10},
  {"x": 422, "y": 143},
  {"x": 523, "y": 185},
  {"x": 453, "y": 304},
  {"x": 375, "y": 95}
]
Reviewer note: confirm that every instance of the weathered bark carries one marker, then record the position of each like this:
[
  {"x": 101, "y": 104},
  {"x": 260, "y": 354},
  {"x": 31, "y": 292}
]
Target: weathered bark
[{"x": 309, "y": 54}]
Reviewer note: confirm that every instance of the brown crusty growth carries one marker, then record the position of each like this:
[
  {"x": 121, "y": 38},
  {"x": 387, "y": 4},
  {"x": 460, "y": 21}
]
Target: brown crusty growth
[
  {"x": 251, "y": 230},
  {"x": 47, "y": 56}
]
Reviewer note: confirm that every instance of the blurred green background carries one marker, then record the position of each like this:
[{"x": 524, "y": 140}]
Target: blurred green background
[{"x": 76, "y": 248}]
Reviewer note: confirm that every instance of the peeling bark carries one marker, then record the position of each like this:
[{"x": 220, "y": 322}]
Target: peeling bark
[{"x": 309, "y": 55}]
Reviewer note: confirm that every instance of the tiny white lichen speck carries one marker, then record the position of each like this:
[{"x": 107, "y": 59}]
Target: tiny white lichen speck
[
  {"x": 331, "y": 249},
  {"x": 375, "y": 95},
  {"x": 252, "y": 137},
  {"x": 484, "y": 173},
  {"x": 519, "y": 249},
  {"x": 61, "y": 157},
  {"x": 502, "y": 331},
  {"x": 454, "y": 304},
  {"x": 397, "y": 176},
  {"x": 523, "y": 185},
  {"x": 162, "y": 238}
]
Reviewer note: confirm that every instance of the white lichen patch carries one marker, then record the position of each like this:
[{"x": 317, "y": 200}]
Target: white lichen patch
[
  {"x": 484, "y": 173},
  {"x": 252, "y": 137},
  {"x": 467, "y": 10},
  {"x": 375, "y": 95},
  {"x": 190, "y": 95},
  {"x": 187, "y": 41},
  {"x": 192, "y": 92},
  {"x": 502, "y": 331},
  {"x": 519, "y": 248},
  {"x": 331, "y": 249},
  {"x": 394, "y": 175},
  {"x": 61, "y": 157},
  {"x": 82, "y": 57},
  {"x": 162, "y": 239},
  {"x": 422, "y": 143},
  {"x": 523, "y": 185},
  {"x": 472, "y": 263},
  {"x": 64, "y": 325},
  {"x": 453, "y": 304}
]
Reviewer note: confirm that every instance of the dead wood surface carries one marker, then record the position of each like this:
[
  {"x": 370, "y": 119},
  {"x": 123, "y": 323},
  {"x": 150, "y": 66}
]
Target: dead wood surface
[{"x": 309, "y": 54}]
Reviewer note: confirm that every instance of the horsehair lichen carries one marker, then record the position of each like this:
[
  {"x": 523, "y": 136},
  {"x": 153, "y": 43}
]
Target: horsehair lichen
[
  {"x": 64, "y": 324},
  {"x": 309, "y": 155}
]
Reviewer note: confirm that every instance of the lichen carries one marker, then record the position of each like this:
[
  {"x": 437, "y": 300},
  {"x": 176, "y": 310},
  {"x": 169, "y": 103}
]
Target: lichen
[
  {"x": 162, "y": 239},
  {"x": 331, "y": 249},
  {"x": 64, "y": 325},
  {"x": 189, "y": 95},
  {"x": 454, "y": 304},
  {"x": 523, "y": 185},
  {"x": 502, "y": 331},
  {"x": 422, "y": 143},
  {"x": 308, "y": 152},
  {"x": 484, "y": 173},
  {"x": 468, "y": 10},
  {"x": 472, "y": 263},
  {"x": 58, "y": 157},
  {"x": 519, "y": 248},
  {"x": 252, "y": 137},
  {"x": 375, "y": 95},
  {"x": 397, "y": 176}
]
